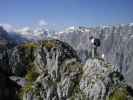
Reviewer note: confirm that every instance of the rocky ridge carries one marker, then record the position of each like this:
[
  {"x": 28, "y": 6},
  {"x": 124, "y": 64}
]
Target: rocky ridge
[
  {"x": 51, "y": 70},
  {"x": 116, "y": 45}
]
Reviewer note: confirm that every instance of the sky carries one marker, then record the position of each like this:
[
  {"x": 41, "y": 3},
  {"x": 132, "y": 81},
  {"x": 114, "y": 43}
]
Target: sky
[{"x": 66, "y": 12}]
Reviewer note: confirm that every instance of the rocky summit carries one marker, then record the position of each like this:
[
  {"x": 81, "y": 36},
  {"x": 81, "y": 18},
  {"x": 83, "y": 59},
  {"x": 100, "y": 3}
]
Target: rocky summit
[
  {"x": 50, "y": 69},
  {"x": 116, "y": 45}
]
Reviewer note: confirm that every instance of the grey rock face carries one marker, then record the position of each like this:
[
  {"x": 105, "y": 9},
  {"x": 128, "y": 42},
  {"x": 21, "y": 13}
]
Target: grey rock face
[
  {"x": 20, "y": 59},
  {"x": 96, "y": 82},
  {"x": 52, "y": 87},
  {"x": 51, "y": 59},
  {"x": 51, "y": 48},
  {"x": 116, "y": 45},
  {"x": 38, "y": 54},
  {"x": 51, "y": 69},
  {"x": 4, "y": 61},
  {"x": 71, "y": 80},
  {"x": 59, "y": 74}
]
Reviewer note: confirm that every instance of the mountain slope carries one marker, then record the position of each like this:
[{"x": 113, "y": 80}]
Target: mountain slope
[
  {"x": 51, "y": 70},
  {"x": 116, "y": 45}
]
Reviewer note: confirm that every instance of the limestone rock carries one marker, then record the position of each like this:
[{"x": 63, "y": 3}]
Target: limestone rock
[
  {"x": 100, "y": 79},
  {"x": 59, "y": 74}
]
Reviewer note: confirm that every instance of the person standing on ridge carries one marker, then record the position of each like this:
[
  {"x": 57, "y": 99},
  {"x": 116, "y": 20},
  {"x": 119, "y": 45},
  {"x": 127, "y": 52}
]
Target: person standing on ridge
[{"x": 95, "y": 44}]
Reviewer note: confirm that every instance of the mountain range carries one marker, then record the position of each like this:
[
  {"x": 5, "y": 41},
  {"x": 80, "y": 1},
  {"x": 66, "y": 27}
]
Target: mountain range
[
  {"x": 38, "y": 64},
  {"x": 116, "y": 41}
]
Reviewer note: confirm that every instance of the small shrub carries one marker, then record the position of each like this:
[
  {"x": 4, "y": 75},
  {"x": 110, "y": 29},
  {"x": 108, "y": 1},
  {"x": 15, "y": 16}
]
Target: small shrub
[
  {"x": 119, "y": 94},
  {"x": 49, "y": 45},
  {"x": 27, "y": 88},
  {"x": 30, "y": 45},
  {"x": 31, "y": 74}
]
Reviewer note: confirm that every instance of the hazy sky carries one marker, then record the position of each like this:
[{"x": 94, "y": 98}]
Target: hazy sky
[{"x": 66, "y": 12}]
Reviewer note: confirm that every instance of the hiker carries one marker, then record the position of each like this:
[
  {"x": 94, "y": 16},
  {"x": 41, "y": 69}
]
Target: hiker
[{"x": 95, "y": 44}]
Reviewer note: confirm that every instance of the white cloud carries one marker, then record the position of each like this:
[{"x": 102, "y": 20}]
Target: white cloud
[
  {"x": 131, "y": 24},
  {"x": 42, "y": 23},
  {"x": 71, "y": 28},
  {"x": 24, "y": 31},
  {"x": 8, "y": 27}
]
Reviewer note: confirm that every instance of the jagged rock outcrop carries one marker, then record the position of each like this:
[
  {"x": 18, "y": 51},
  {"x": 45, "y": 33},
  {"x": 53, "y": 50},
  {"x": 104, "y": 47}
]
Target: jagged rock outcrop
[
  {"x": 44, "y": 58},
  {"x": 51, "y": 70},
  {"x": 37, "y": 54},
  {"x": 70, "y": 80},
  {"x": 4, "y": 61},
  {"x": 55, "y": 86},
  {"x": 116, "y": 45},
  {"x": 21, "y": 58},
  {"x": 6, "y": 43},
  {"x": 96, "y": 80},
  {"x": 101, "y": 80},
  {"x": 60, "y": 69}
]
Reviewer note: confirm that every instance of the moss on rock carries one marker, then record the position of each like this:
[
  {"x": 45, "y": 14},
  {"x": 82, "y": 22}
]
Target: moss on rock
[
  {"x": 27, "y": 88},
  {"x": 119, "y": 94},
  {"x": 77, "y": 94},
  {"x": 31, "y": 76}
]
